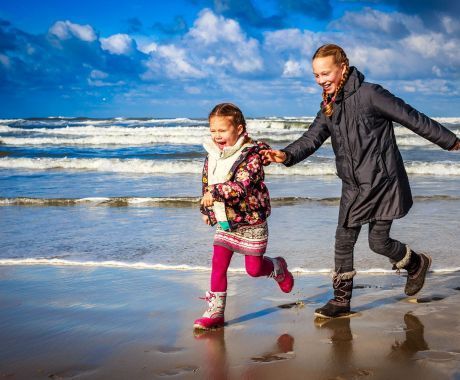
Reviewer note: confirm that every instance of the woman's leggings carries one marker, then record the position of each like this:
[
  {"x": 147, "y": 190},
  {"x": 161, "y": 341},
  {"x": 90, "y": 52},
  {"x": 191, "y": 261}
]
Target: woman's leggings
[
  {"x": 256, "y": 266},
  {"x": 379, "y": 241}
]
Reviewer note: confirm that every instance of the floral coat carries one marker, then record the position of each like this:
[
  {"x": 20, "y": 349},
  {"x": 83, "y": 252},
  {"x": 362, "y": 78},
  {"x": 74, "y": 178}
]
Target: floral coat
[{"x": 246, "y": 198}]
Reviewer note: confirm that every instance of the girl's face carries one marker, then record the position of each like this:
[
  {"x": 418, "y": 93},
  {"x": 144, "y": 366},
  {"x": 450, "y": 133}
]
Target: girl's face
[
  {"x": 223, "y": 133},
  {"x": 327, "y": 73}
]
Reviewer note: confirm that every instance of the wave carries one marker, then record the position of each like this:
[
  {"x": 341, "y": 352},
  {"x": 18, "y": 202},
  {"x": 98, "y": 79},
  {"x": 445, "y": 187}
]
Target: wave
[
  {"x": 179, "y": 202},
  {"x": 444, "y": 168},
  {"x": 91, "y": 135},
  {"x": 178, "y": 267}
]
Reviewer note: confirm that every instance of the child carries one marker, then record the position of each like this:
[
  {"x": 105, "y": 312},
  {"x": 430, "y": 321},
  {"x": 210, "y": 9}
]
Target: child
[
  {"x": 358, "y": 116},
  {"x": 236, "y": 199}
]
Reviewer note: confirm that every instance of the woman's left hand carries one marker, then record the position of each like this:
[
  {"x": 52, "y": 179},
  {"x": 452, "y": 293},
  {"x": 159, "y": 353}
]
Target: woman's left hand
[
  {"x": 207, "y": 199},
  {"x": 456, "y": 146}
]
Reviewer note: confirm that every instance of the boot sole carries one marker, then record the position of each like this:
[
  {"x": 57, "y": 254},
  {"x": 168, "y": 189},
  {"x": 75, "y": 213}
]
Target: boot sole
[
  {"x": 199, "y": 327},
  {"x": 341, "y": 315},
  {"x": 319, "y": 315},
  {"x": 424, "y": 277}
]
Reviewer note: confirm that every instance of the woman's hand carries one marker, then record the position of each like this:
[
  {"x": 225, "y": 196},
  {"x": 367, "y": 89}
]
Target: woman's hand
[
  {"x": 271, "y": 155},
  {"x": 207, "y": 199},
  {"x": 456, "y": 146},
  {"x": 205, "y": 219}
]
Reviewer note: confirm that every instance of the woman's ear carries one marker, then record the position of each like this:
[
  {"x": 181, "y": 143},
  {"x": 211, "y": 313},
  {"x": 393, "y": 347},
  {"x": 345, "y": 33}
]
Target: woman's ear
[
  {"x": 344, "y": 68},
  {"x": 240, "y": 129}
]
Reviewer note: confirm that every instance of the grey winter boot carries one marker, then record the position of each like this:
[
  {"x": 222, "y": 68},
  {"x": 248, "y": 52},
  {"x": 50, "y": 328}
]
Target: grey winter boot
[
  {"x": 417, "y": 266},
  {"x": 340, "y": 304}
]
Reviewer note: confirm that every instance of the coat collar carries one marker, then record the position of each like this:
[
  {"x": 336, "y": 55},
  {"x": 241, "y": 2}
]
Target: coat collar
[
  {"x": 216, "y": 153},
  {"x": 351, "y": 85}
]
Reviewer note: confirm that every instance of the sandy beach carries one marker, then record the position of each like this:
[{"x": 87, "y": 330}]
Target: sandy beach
[{"x": 107, "y": 323}]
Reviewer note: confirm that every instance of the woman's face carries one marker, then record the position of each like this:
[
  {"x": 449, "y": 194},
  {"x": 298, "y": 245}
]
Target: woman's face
[
  {"x": 223, "y": 132},
  {"x": 327, "y": 73}
]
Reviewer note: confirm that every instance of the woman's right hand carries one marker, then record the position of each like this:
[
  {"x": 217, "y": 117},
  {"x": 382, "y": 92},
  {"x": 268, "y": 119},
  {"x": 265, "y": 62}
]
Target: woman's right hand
[{"x": 272, "y": 155}]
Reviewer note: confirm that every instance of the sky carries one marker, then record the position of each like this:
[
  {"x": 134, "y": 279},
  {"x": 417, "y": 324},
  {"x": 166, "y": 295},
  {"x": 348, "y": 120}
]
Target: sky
[{"x": 179, "y": 58}]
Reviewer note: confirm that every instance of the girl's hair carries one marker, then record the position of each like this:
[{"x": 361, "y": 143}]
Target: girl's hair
[
  {"x": 340, "y": 57},
  {"x": 229, "y": 110}
]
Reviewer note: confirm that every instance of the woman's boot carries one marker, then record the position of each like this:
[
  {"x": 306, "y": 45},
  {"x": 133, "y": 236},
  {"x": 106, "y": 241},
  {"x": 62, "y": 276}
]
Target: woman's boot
[
  {"x": 340, "y": 304},
  {"x": 417, "y": 266},
  {"x": 213, "y": 317}
]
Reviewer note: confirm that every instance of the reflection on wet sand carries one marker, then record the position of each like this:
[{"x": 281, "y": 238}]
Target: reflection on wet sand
[
  {"x": 414, "y": 341},
  {"x": 215, "y": 365}
]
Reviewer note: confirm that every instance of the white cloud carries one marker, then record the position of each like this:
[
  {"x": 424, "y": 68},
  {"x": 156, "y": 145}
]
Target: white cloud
[
  {"x": 371, "y": 20},
  {"x": 97, "y": 74},
  {"x": 229, "y": 45},
  {"x": 292, "y": 69},
  {"x": 450, "y": 24},
  {"x": 66, "y": 29},
  {"x": 5, "y": 60},
  {"x": 426, "y": 87},
  {"x": 210, "y": 28},
  {"x": 147, "y": 48},
  {"x": 171, "y": 61},
  {"x": 304, "y": 43},
  {"x": 120, "y": 44}
]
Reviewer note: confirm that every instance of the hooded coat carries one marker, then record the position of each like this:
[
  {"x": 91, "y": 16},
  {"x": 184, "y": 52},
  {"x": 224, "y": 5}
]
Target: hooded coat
[{"x": 374, "y": 181}]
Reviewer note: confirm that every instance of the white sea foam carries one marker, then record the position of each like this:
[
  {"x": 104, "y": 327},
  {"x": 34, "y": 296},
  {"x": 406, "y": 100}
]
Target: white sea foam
[
  {"x": 308, "y": 168},
  {"x": 150, "y": 136},
  {"x": 178, "y": 267}
]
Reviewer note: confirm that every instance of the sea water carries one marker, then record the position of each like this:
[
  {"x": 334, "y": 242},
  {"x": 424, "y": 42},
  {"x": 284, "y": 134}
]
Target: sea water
[{"x": 125, "y": 192}]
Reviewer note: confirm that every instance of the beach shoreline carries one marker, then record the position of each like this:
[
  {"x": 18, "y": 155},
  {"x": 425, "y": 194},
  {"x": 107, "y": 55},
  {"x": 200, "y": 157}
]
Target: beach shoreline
[{"x": 113, "y": 323}]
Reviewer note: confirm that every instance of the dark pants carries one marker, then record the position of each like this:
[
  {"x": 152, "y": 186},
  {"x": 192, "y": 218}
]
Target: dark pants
[{"x": 379, "y": 241}]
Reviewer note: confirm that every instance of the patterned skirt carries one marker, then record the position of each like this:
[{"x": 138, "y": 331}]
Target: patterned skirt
[{"x": 248, "y": 240}]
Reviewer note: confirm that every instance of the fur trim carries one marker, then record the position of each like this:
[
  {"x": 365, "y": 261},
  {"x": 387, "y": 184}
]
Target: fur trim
[
  {"x": 405, "y": 260},
  {"x": 344, "y": 276}
]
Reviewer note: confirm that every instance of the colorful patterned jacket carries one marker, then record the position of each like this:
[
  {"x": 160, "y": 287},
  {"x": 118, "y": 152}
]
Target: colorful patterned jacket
[{"x": 246, "y": 197}]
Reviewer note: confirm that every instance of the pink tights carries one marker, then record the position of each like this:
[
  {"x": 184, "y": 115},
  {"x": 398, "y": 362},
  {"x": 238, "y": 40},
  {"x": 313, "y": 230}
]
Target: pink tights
[{"x": 256, "y": 266}]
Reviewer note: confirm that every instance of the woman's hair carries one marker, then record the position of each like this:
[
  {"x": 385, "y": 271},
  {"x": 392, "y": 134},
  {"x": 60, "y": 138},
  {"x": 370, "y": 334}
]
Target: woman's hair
[
  {"x": 340, "y": 57},
  {"x": 229, "y": 110}
]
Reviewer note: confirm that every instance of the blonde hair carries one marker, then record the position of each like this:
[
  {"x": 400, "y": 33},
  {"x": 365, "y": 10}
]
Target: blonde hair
[
  {"x": 331, "y": 50},
  {"x": 229, "y": 110}
]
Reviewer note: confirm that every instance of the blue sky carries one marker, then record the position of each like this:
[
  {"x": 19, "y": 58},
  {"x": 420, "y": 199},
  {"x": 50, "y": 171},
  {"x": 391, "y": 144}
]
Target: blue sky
[{"x": 180, "y": 58}]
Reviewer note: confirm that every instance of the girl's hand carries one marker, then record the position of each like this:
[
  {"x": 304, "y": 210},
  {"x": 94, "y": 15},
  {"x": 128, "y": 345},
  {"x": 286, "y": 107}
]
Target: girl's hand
[
  {"x": 271, "y": 155},
  {"x": 456, "y": 146},
  {"x": 207, "y": 200},
  {"x": 205, "y": 219}
]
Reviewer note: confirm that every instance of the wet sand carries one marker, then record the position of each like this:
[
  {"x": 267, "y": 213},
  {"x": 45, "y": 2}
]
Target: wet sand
[{"x": 106, "y": 323}]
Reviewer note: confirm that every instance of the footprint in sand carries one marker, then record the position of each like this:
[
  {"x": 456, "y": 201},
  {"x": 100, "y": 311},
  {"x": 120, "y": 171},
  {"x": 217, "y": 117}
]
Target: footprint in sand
[
  {"x": 70, "y": 374},
  {"x": 169, "y": 350},
  {"x": 295, "y": 305},
  {"x": 284, "y": 350},
  {"x": 427, "y": 299},
  {"x": 366, "y": 286},
  {"x": 178, "y": 370}
]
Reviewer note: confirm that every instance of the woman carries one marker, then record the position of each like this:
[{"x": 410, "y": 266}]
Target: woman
[{"x": 359, "y": 116}]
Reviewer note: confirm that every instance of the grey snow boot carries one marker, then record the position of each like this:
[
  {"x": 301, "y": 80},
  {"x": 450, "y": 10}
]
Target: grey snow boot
[
  {"x": 340, "y": 304},
  {"x": 417, "y": 265}
]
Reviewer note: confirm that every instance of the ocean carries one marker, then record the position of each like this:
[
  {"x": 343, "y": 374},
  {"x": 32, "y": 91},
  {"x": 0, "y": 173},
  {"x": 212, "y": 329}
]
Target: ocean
[{"x": 125, "y": 192}]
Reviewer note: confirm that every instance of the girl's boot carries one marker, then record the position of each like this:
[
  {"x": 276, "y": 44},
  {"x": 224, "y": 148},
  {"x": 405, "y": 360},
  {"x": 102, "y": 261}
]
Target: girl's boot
[
  {"x": 281, "y": 274},
  {"x": 213, "y": 317},
  {"x": 340, "y": 304},
  {"x": 417, "y": 266}
]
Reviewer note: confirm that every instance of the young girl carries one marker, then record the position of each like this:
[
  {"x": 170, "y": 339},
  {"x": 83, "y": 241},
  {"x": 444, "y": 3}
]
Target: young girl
[
  {"x": 358, "y": 116},
  {"x": 236, "y": 199}
]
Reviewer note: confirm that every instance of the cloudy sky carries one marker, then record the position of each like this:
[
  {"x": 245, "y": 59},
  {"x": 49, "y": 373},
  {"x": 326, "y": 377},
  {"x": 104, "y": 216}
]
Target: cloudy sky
[{"x": 178, "y": 58}]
